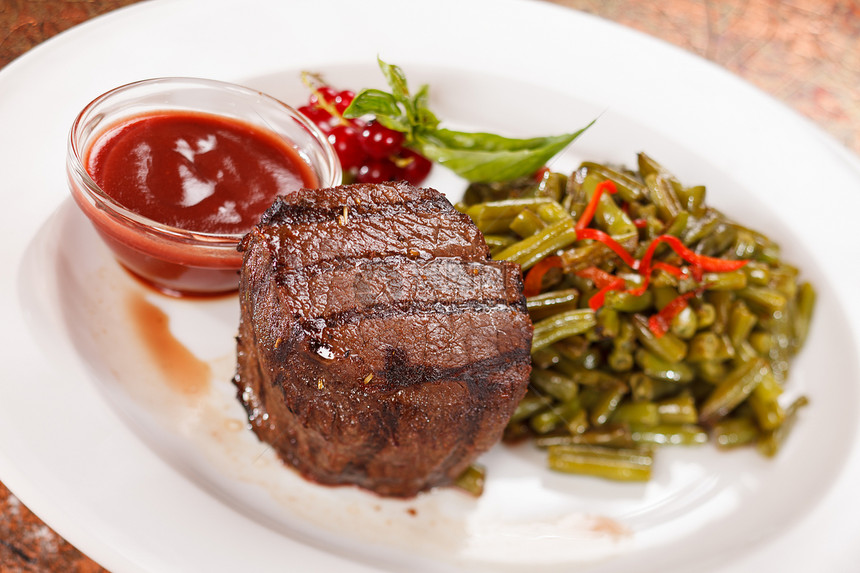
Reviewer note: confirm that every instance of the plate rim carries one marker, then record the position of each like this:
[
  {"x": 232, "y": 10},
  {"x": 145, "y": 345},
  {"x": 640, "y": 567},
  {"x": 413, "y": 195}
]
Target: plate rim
[{"x": 24, "y": 64}]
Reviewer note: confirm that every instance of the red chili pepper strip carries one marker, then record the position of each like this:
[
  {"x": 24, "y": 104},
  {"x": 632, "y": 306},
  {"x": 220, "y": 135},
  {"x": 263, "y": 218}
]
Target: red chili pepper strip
[
  {"x": 598, "y": 235},
  {"x": 640, "y": 290},
  {"x": 604, "y": 186},
  {"x": 604, "y": 281},
  {"x": 709, "y": 264},
  {"x": 640, "y": 223},
  {"x": 659, "y": 323},
  {"x": 676, "y": 272},
  {"x": 697, "y": 272},
  {"x": 597, "y": 300},
  {"x": 599, "y": 277},
  {"x": 534, "y": 279}
]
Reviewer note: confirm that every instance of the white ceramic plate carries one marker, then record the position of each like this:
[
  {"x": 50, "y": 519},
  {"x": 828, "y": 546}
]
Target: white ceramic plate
[{"x": 145, "y": 471}]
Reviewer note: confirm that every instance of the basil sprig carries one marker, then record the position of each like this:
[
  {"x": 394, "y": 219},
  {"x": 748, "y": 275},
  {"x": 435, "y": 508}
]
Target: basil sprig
[{"x": 474, "y": 156}]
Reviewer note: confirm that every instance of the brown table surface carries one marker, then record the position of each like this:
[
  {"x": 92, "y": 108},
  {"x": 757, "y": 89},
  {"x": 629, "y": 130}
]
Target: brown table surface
[{"x": 806, "y": 53}]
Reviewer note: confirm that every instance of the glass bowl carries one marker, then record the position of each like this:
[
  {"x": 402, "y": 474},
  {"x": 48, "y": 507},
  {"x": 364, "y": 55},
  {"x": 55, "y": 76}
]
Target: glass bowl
[{"x": 182, "y": 261}]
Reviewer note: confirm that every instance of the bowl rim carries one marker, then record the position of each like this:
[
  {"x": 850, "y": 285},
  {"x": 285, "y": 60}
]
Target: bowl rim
[{"x": 100, "y": 200}]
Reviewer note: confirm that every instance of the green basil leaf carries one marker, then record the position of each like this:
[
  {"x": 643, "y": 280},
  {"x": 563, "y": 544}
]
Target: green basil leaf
[
  {"x": 424, "y": 118},
  {"x": 396, "y": 123},
  {"x": 488, "y": 157},
  {"x": 396, "y": 80},
  {"x": 372, "y": 102}
]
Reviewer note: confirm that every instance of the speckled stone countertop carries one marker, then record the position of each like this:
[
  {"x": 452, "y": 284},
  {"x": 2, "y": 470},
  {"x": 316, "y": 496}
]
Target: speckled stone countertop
[{"x": 805, "y": 53}]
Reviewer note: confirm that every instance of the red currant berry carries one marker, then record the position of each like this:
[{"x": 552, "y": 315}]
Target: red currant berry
[
  {"x": 344, "y": 139},
  {"x": 327, "y": 93},
  {"x": 378, "y": 141},
  {"x": 417, "y": 169},
  {"x": 343, "y": 99},
  {"x": 376, "y": 171},
  {"x": 317, "y": 115}
]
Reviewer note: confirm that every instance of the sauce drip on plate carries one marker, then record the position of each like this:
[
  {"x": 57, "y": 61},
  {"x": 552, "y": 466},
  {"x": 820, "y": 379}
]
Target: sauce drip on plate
[{"x": 183, "y": 371}]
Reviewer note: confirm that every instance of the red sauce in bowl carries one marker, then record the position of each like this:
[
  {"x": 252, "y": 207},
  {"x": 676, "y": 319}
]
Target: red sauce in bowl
[
  {"x": 172, "y": 172},
  {"x": 195, "y": 171}
]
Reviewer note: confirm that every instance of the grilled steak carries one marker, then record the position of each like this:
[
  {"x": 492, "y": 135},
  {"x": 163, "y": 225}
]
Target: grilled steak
[{"x": 378, "y": 345}]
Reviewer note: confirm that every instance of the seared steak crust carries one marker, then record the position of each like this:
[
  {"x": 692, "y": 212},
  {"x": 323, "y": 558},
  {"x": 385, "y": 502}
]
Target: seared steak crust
[{"x": 376, "y": 353}]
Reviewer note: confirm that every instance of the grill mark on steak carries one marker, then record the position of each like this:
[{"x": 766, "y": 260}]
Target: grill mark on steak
[
  {"x": 332, "y": 294},
  {"x": 387, "y": 310},
  {"x": 400, "y": 372},
  {"x": 413, "y": 234},
  {"x": 298, "y": 214},
  {"x": 377, "y": 195}
]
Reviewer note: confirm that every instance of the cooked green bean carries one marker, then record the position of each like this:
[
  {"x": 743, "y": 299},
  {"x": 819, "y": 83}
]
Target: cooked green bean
[
  {"x": 668, "y": 434},
  {"x": 530, "y": 405},
  {"x": 678, "y": 224},
  {"x": 783, "y": 278},
  {"x": 733, "y": 432},
  {"x": 608, "y": 216},
  {"x": 545, "y": 357},
  {"x": 578, "y": 423},
  {"x": 663, "y": 295},
  {"x": 733, "y": 390},
  {"x": 761, "y": 342},
  {"x": 552, "y": 383},
  {"x": 668, "y": 347},
  {"x": 725, "y": 281},
  {"x": 758, "y": 273},
  {"x": 551, "y": 213},
  {"x": 548, "y": 240},
  {"x": 499, "y": 242},
  {"x": 496, "y": 216},
  {"x": 624, "y": 301},
  {"x": 552, "y": 302},
  {"x": 685, "y": 324},
  {"x": 721, "y": 301},
  {"x": 693, "y": 199},
  {"x": 620, "y": 359},
  {"x": 606, "y": 403},
  {"x": 718, "y": 241},
  {"x": 642, "y": 413},
  {"x": 586, "y": 376},
  {"x": 678, "y": 409},
  {"x": 705, "y": 315},
  {"x": 561, "y": 326},
  {"x": 769, "y": 413},
  {"x": 703, "y": 346},
  {"x": 526, "y": 223},
  {"x": 663, "y": 195},
  {"x": 641, "y": 387},
  {"x": 803, "y": 316},
  {"x": 607, "y": 323},
  {"x": 680, "y": 347},
  {"x": 660, "y": 368},
  {"x": 548, "y": 420},
  {"x": 616, "y": 436},
  {"x": 701, "y": 226},
  {"x": 741, "y": 323},
  {"x": 764, "y": 402},
  {"x": 770, "y": 443},
  {"x": 767, "y": 299},
  {"x": 628, "y": 188},
  {"x": 472, "y": 480},
  {"x": 552, "y": 185},
  {"x": 622, "y": 464},
  {"x": 782, "y": 343}
]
